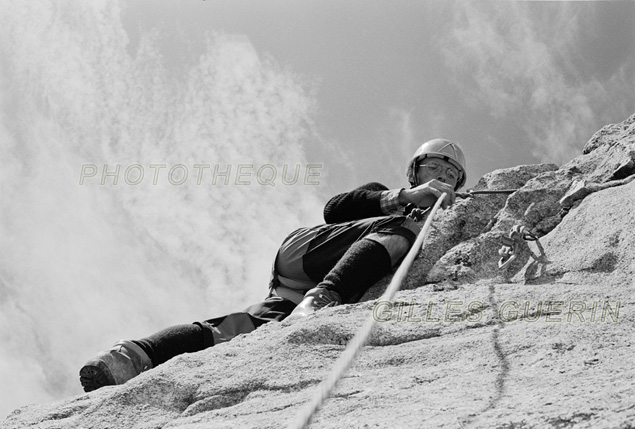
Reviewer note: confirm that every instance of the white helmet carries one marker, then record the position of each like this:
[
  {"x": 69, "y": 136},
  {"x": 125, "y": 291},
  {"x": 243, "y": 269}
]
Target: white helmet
[{"x": 438, "y": 148}]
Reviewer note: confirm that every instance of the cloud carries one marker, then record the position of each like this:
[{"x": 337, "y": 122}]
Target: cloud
[
  {"x": 397, "y": 135},
  {"x": 84, "y": 265},
  {"x": 523, "y": 62}
]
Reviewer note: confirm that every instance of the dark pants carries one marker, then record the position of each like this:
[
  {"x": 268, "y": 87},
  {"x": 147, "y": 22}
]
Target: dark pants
[{"x": 305, "y": 257}]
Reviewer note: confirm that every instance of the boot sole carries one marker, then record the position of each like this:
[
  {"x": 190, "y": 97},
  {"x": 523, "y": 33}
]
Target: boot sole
[{"x": 93, "y": 377}]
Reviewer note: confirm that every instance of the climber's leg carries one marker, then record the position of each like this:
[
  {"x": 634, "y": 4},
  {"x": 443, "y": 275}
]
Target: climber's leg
[{"x": 365, "y": 262}]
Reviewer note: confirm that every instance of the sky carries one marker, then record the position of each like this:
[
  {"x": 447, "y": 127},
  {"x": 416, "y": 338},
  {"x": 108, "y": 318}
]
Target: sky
[
  {"x": 512, "y": 82},
  {"x": 155, "y": 153}
]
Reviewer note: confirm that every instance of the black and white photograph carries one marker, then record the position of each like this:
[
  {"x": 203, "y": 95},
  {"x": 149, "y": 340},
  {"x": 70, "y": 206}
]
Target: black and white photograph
[{"x": 317, "y": 214}]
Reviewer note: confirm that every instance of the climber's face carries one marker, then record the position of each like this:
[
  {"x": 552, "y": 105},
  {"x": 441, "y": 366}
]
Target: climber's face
[{"x": 437, "y": 169}]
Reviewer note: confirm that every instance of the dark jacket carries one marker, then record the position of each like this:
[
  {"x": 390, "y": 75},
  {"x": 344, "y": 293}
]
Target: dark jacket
[{"x": 361, "y": 203}]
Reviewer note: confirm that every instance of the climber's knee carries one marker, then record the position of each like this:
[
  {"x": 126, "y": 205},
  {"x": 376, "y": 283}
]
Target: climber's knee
[{"x": 396, "y": 245}]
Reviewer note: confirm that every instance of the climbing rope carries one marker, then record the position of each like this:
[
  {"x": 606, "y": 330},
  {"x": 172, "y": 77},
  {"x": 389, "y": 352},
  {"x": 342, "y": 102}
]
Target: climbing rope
[{"x": 361, "y": 337}]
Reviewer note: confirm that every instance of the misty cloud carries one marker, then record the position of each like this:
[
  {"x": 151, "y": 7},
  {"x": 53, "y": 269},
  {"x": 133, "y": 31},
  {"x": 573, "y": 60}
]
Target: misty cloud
[
  {"x": 519, "y": 61},
  {"x": 83, "y": 266}
]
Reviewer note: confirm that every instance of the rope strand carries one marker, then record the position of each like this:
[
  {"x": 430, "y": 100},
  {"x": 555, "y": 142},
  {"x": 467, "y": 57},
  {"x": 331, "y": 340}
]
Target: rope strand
[{"x": 361, "y": 337}]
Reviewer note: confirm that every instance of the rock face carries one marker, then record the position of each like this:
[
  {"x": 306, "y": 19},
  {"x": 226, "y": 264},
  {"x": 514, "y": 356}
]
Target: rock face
[
  {"x": 544, "y": 344},
  {"x": 597, "y": 232},
  {"x": 609, "y": 156}
]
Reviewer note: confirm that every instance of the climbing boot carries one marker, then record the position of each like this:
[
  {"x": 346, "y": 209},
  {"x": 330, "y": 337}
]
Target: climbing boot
[
  {"x": 315, "y": 299},
  {"x": 122, "y": 362}
]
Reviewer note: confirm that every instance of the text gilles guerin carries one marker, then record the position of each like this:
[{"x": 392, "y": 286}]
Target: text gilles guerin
[
  {"x": 550, "y": 311},
  {"x": 216, "y": 174}
]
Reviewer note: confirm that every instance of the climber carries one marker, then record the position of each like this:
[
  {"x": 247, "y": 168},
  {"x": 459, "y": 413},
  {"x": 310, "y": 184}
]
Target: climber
[{"x": 367, "y": 233}]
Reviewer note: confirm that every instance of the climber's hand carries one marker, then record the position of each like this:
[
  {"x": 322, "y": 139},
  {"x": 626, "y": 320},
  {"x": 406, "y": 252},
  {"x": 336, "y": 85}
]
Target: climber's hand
[{"x": 426, "y": 195}]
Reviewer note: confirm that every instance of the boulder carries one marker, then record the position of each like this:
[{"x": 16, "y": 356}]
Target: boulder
[
  {"x": 608, "y": 161},
  {"x": 594, "y": 242}
]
